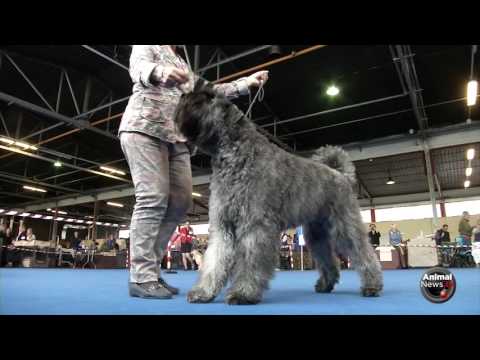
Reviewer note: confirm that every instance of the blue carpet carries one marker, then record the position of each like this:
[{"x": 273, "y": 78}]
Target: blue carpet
[{"x": 104, "y": 292}]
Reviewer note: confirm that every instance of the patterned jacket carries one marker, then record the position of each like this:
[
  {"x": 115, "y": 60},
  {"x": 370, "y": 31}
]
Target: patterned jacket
[{"x": 151, "y": 108}]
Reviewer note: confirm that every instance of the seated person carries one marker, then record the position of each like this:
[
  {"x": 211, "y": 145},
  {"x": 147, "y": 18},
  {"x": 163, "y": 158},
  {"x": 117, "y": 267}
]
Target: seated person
[
  {"x": 22, "y": 234},
  {"x": 442, "y": 235},
  {"x": 75, "y": 242},
  {"x": 30, "y": 235},
  {"x": 110, "y": 242}
]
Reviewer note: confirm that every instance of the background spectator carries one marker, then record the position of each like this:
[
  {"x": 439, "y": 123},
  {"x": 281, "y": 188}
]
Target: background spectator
[
  {"x": 186, "y": 244},
  {"x": 442, "y": 235},
  {"x": 374, "y": 236},
  {"x": 30, "y": 235},
  {"x": 75, "y": 242},
  {"x": 395, "y": 237},
  {"x": 22, "y": 234},
  {"x": 464, "y": 227}
]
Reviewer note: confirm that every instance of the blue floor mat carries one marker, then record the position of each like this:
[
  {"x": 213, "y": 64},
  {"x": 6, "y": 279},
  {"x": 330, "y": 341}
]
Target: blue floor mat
[{"x": 105, "y": 292}]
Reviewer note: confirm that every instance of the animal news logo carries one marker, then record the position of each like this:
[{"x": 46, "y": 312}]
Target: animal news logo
[{"x": 438, "y": 285}]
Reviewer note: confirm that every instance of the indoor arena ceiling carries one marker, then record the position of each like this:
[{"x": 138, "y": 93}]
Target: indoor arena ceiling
[{"x": 375, "y": 101}]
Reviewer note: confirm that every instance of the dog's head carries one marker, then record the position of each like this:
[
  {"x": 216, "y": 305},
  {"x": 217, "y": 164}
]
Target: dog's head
[{"x": 199, "y": 114}]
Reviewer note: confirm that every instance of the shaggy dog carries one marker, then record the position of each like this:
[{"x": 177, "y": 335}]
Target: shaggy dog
[{"x": 254, "y": 197}]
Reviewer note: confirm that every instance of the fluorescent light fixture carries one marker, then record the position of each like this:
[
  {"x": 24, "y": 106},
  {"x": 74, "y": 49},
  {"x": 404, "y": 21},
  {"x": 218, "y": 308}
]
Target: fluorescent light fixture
[
  {"x": 466, "y": 184},
  {"x": 70, "y": 220},
  {"x": 48, "y": 217},
  {"x": 112, "y": 170},
  {"x": 49, "y": 209},
  {"x": 60, "y": 219},
  {"x": 31, "y": 188},
  {"x": 89, "y": 222},
  {"x": 124, "y": 226},
  {"x": 472, "y": 89},
  {"x": 196, "y": 194},
  {"x": 12, "y": 212},
  {"x": 115, "y": 225},
  {"x": 468, "y": 171},
  {"x": 25, "y": 214},
  {"x": 25, "y": 146},
  {"x": 1, "y": 211},
  {"x": 37, "y": 216},
  {"x": 80, "y": 221},
  {"x": 57, "y": 164},
  {"x": 470, "y": 154},
  {"x": 390, "y": 181},
  {"x": 99, "y": 223},
  {"x": 7, "y": 141},
  {"x": 107, "y": 224},
  {"x": 114, "y": 204},
  {"x": 333, "y": 91}
]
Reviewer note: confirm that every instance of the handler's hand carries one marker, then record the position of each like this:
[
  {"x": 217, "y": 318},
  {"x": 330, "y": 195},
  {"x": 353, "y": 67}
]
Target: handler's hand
[
  {"x": 257, "y": 78},
  {"x": 170, "y": 75}
]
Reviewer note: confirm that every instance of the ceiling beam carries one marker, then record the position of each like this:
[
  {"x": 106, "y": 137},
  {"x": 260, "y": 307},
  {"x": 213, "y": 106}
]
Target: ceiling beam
[
  {"x": 105, "y": 194},
  {"x": 80, "y": 124},
  {"x": 420, "y": 198}
]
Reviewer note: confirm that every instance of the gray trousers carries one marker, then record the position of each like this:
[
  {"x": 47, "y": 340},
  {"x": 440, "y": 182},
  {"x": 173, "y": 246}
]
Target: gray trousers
[{"x": 162, "y": 178}]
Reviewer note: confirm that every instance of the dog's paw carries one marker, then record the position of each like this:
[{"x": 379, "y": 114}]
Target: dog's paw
[
  {"x": 323, "y": 287},
  {"x": 199, "y": 296},
  {"x": 371, "y": 292},
  {"x": 241, "y": 299}
]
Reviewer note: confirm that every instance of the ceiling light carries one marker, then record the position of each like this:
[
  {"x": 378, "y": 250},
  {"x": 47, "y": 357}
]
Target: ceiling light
[
  {"x": 470, "y": 154},
  {"x": 1, "y": 211},
  {"x": 7, "y": 141},
  {"x": 472, "y": 88},
  {"x": 109, "y": 169},
  {"x": 114, "y": 204},
  {"x": 89, "y": 222},
  {"x": 390, "y": 181},
  {"x": 115, "y": 225},
  {"x": 99, "y": 223},
  {"x": 196, "y": 194},
  {"x": 37, "y": 216},
  {"x": 468, "y": 171},
  {"x": 48, "y": 217},
  {"x": 12, "y": 212},
  {"x": 333, "y": 91},
  {"x": 466, "y": 184},
  {"x": 60, "y": 219},
  {"x": 25, "y": 214},
  {"x": 124, "y": 226},
  {"x": 31, "y": 188},
  {"x": 107, "y": 224},
  {"x": 70, "y": 220},
  {"x": 80, "y": 221},
  {"x": 49, "y": 209},
  {"x": 57, "y": 164}
]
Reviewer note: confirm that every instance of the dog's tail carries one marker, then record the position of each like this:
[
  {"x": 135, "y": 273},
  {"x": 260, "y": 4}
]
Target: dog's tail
[{"x": 338, "y": 159}]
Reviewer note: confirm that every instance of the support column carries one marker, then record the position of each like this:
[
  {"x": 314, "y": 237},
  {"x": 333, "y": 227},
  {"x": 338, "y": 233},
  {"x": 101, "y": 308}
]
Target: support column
[
  {"x": 54, "y": 240},
  {"x": 372, "y": 215},
  {"x": 95, "y": 213},
  {"x": 443, "y": 213},
  {"x": 431, "y": 187}
]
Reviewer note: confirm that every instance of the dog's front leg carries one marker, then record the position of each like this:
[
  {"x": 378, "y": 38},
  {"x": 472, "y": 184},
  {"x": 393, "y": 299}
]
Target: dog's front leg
[{"x": 217, "y": 263}]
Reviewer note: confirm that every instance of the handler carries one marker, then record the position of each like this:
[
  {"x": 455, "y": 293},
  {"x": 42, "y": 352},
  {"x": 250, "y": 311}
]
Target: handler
[{"x": 159, "y": 159}]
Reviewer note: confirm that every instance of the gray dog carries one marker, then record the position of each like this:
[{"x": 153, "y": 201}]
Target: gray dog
[{"x": 254, "y": 197}]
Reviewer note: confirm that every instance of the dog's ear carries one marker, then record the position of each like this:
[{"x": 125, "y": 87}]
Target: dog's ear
[
  {"x": 199, "y": 85},
  {"x": 203, "y": 86}
]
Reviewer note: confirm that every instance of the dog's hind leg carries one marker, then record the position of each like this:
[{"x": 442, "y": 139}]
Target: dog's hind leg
[
  {"x": 216, "y": 266},
  {"x": 318, "y": 235},
  {"x": 353, "y": 238},
  {"x": 255, "y": 260}
]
